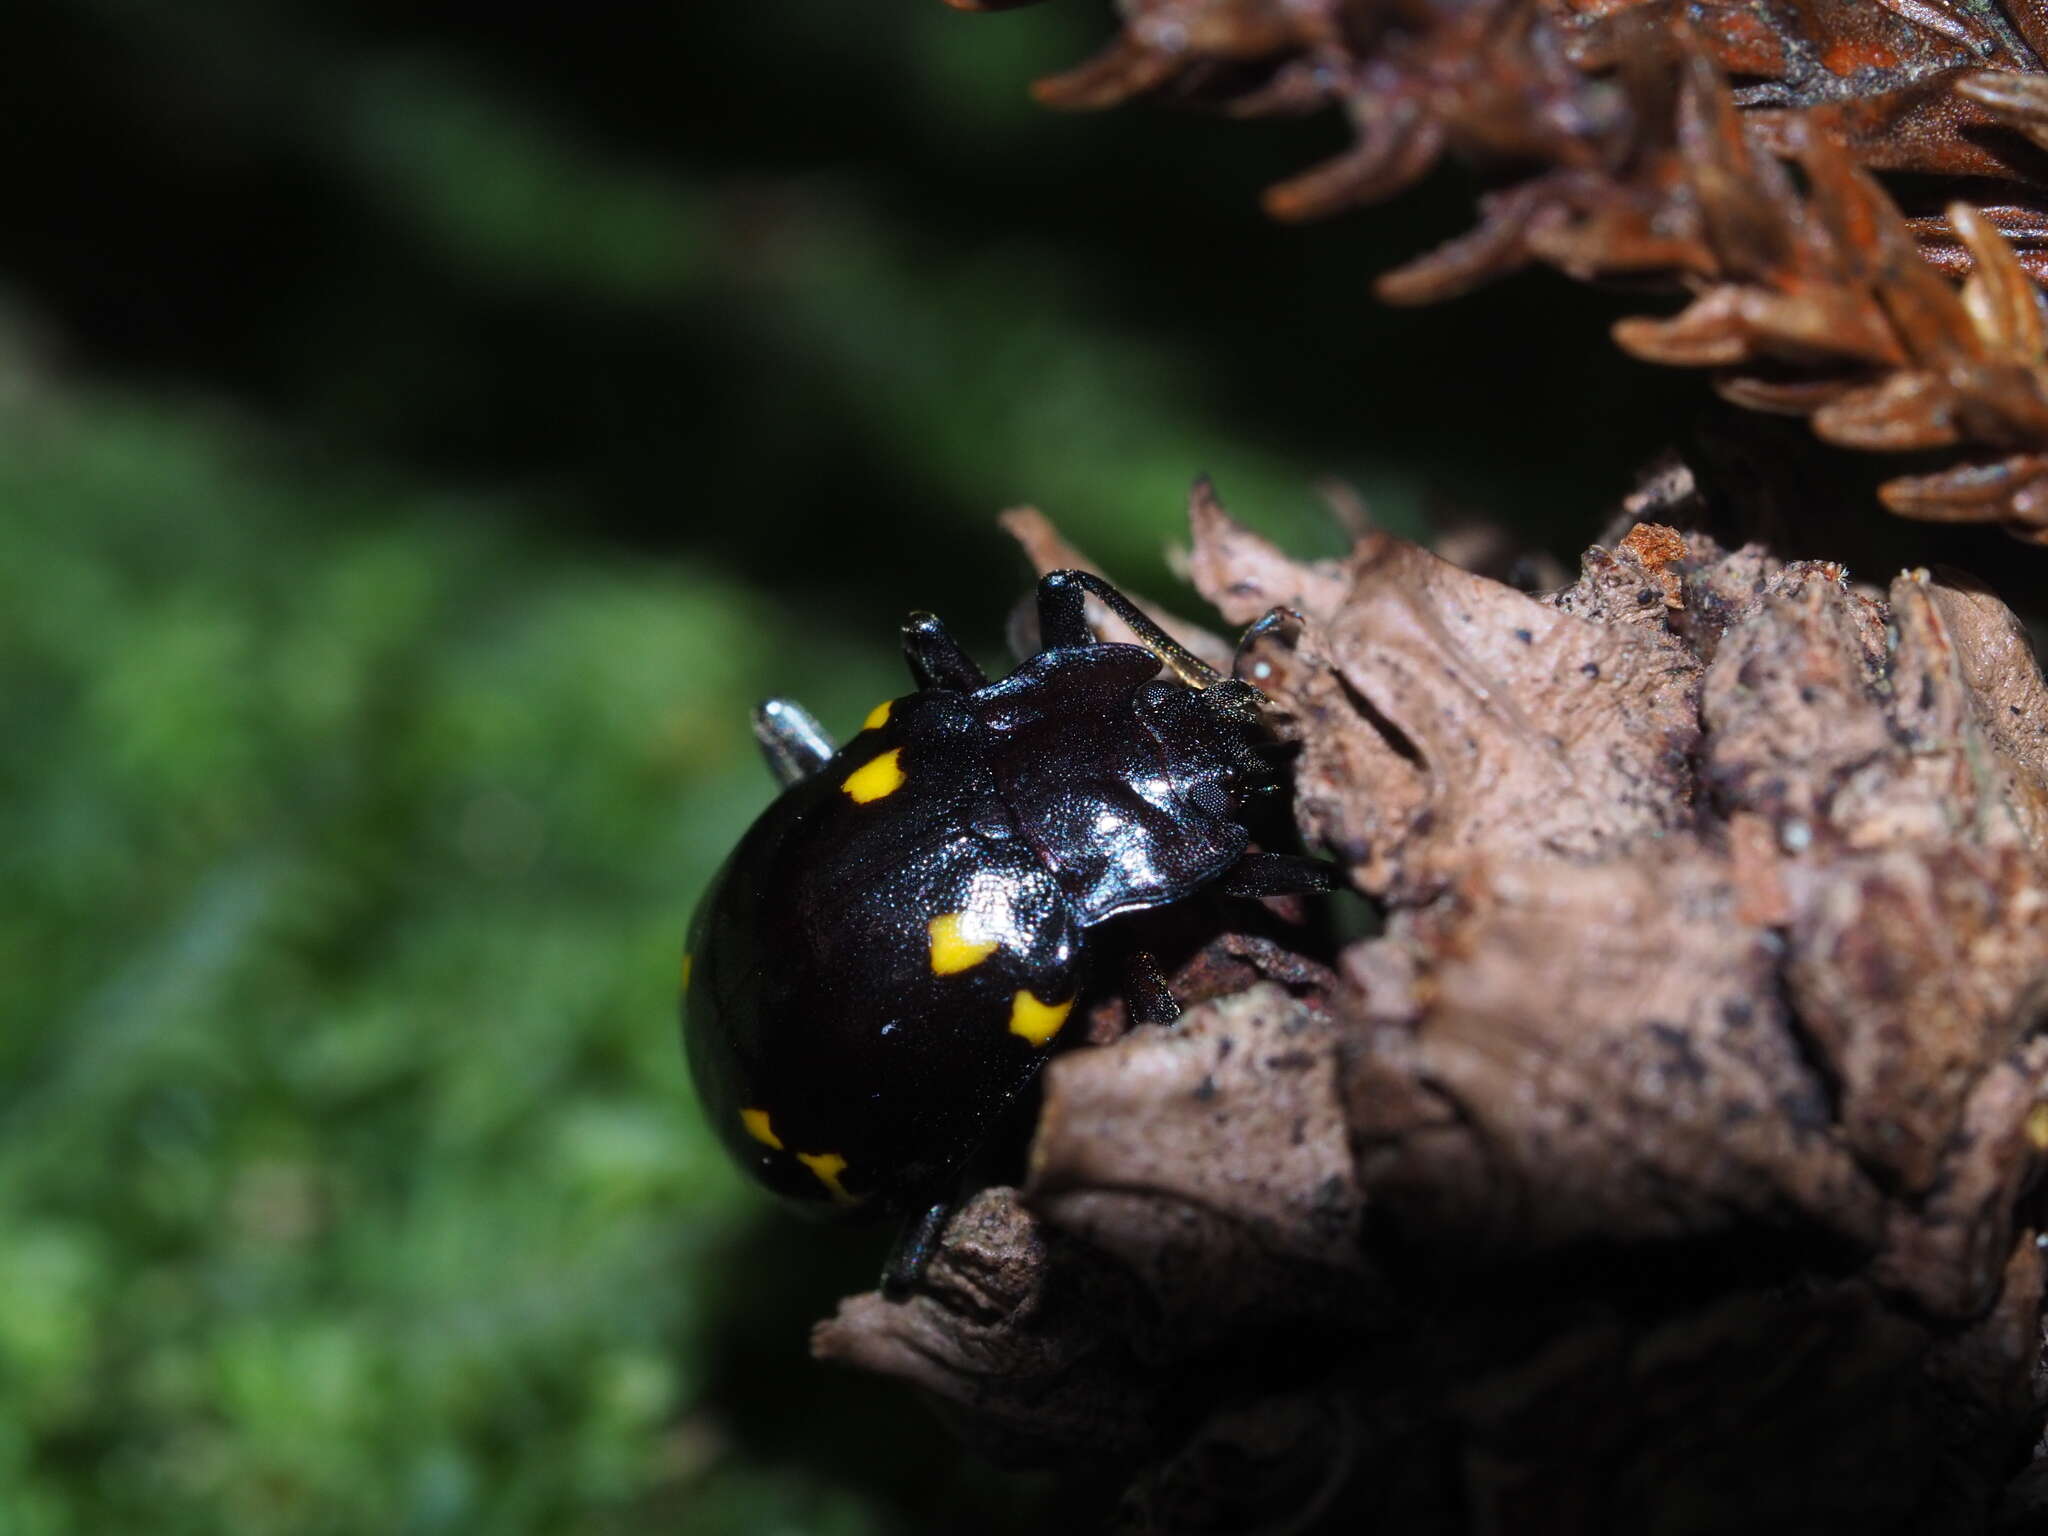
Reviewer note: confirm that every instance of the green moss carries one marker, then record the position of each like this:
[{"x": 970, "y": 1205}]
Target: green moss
[{"x": 349, "y": 1174}]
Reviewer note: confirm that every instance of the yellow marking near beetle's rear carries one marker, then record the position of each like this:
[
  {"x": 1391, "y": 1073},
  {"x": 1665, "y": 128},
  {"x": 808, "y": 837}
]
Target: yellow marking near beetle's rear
[
  {"x": 756, "y": 1122},
  {"x": 953, "y": 951},
  {"x": 686, "y": 970},
  {"x": 877, "y": 717},
  {"x": 883, "y": 776},
  {"x": 1035, "y": 1021},
  {"x": 828, "y": 1166}
]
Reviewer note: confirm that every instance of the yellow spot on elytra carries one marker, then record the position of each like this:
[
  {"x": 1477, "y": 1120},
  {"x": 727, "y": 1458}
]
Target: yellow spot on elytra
[
  {"x": 883, "y": 776},
  {"x": 951, "y": 949},
  {"x": 1035, "y": 1021},
  {"x": 686, "y": 970},
  {"x": 877, "y": 717},
  {"x": 828, "y": 1166},
  {"x": 2037, "y": 1127}
]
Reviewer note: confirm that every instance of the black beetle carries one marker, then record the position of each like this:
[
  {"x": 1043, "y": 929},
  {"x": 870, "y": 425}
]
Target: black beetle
[{"x": 894, "y": 947}]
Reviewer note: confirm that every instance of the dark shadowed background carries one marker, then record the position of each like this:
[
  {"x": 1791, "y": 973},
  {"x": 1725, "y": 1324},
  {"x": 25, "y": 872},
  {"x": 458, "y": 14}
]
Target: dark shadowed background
[{"x": 424, "y": 430}]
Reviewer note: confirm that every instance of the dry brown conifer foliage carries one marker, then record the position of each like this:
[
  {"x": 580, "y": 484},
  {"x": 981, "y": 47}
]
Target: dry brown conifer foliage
[{"x": 1853, "y": 193}]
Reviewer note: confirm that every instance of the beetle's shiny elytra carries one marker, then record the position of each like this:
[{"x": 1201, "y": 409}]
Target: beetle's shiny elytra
[{"x": 897, "y": 944}]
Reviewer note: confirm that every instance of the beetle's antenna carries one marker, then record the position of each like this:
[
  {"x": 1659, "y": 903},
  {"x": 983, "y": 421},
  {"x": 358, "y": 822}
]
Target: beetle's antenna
[{"x": 1175, "y": 657}]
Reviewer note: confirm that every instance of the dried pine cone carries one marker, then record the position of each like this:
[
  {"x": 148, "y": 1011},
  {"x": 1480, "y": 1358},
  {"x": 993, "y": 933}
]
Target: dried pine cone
[
  {"x": 1725, "y": 146},
  {"x": 1667, "y": 1161}
]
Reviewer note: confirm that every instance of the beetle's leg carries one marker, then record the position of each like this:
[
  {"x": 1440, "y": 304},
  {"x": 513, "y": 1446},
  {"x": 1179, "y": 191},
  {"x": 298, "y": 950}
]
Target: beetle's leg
[
  {"x": 1063, "y": 623},
  {"x": 1277, "y": 874},
  {"x": 795, "y": 745},
  {"x": 1269, "y": 622},
  {"x": 935, "y": 657},
  {"x": 1146, "y": 995},
  {"x": 915, "y": 1243},
  {"x": 1063, "y": 612},
  {"x": 1280, "y": 621}
]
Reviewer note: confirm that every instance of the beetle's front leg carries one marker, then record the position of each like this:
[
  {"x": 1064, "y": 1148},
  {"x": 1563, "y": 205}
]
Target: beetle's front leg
[
  {"x": 795, "y": 745},
  {"x": 1063, "y": 624},
  {"x": 935, "y": 657},
  {"x": 1277, "y": 874},
  {"x": 1063, "y": 612}
]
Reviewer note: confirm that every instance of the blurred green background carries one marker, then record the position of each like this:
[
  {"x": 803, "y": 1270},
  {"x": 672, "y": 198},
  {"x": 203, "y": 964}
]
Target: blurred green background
[{"x": 424, "y": 430}]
